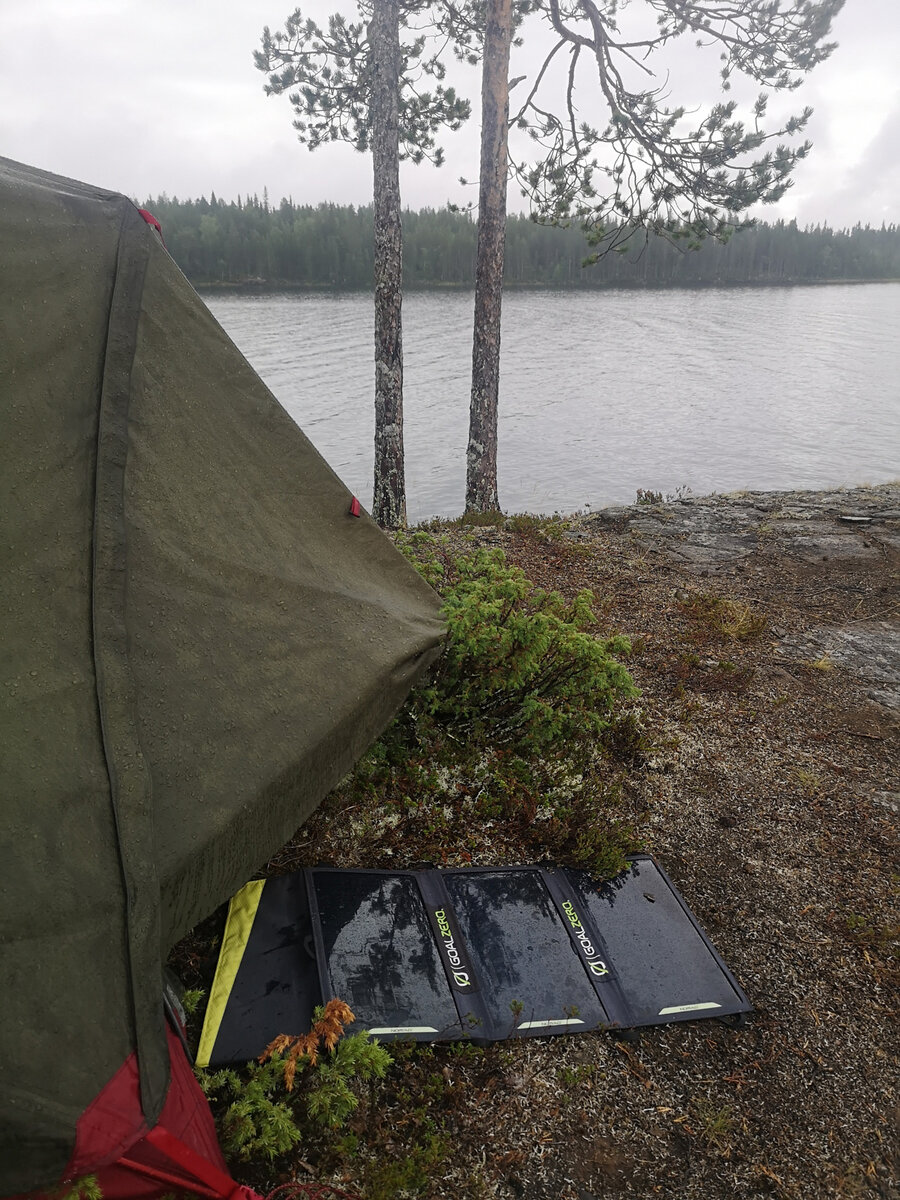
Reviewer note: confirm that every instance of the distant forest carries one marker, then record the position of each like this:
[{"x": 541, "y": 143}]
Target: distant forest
[{"x": 330, "y": 245}]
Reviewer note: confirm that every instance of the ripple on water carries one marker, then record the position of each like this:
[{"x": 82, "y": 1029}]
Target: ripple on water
[{"x": 601, "y": 392}]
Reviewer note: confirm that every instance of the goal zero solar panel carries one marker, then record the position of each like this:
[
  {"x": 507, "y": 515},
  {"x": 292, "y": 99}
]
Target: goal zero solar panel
[{"x": 482, "y": 954}]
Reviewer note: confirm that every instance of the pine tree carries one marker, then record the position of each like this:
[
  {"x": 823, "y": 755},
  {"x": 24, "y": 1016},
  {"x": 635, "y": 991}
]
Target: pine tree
[
  {"x": 357, "y": 82},
  {"x": 645, "y": 165}
]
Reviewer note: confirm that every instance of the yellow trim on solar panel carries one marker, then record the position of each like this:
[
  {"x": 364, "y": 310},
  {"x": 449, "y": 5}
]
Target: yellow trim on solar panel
[{"x": 241, "y": 915}]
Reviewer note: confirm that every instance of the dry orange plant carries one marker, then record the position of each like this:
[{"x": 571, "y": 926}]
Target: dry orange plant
[{"x": 327, "y": 1031}]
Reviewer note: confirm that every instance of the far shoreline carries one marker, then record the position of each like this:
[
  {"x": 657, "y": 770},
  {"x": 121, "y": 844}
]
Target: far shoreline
[{"x": 272, "y": 287}]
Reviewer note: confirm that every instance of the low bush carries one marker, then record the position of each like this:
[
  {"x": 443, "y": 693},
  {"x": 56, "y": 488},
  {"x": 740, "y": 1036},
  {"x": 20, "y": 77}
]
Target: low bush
[
  {"x": 520, "y": 667},
  {"x": 251, "y": 1118},
  {"x": 263, "y": 1109},
  {"x": 519, "y": 717}
]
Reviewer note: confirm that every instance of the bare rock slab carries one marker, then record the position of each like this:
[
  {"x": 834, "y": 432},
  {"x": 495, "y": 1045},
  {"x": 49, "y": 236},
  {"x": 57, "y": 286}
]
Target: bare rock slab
[
  {"x": 871, "y": 651},
  {"x": 709, "y": 532}
]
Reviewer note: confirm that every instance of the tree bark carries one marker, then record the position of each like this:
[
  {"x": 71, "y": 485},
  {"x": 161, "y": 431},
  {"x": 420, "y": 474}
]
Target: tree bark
[
  {"x": 481, "y": 455},
  {"x": 389, "y": 501}
]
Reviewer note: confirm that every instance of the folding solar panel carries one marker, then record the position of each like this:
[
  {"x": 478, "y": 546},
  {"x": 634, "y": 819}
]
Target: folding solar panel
[{"x": 482, "y": 954}]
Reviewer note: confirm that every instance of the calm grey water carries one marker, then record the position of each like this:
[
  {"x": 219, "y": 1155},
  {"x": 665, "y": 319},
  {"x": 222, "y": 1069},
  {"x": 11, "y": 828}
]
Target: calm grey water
[{"x": 601, "y": 393}]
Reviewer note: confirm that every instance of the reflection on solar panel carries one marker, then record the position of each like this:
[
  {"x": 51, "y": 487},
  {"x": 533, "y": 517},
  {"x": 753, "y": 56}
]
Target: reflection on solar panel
[{"x": 483, "y": 953}]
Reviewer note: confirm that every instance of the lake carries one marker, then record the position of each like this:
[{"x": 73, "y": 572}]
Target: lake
[{"x": 601, "y": 393}]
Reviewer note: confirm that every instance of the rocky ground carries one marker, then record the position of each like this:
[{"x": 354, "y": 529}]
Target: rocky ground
[{"x": 766, "y": 630}]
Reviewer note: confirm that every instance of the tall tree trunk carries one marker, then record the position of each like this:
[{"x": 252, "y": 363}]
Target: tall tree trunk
[
  {"x": 481, "y": 456},
  {"x": 389, "y": 502}
]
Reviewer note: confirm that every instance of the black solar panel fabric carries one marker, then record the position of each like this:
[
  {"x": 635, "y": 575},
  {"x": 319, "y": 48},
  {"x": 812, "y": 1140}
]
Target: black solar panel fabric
[{"x": 481, "y": 954}]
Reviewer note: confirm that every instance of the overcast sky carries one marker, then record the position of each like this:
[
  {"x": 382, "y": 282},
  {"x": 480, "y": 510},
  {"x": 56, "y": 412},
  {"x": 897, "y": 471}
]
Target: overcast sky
[{"x": 164, "y": 97}]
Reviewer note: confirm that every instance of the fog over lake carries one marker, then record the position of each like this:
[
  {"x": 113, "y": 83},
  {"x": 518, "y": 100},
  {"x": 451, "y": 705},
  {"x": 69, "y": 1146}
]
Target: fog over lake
[{"x": 601, "y": 392}]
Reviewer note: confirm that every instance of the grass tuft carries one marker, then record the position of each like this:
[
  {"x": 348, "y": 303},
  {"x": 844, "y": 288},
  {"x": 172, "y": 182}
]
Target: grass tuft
[{"x": 732, "y": 619}]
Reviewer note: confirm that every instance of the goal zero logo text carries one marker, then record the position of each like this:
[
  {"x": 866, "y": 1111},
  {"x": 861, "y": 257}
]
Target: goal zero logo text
[
  {"x": 595, "y": 965},
  {"x": 461, "y": 976}
]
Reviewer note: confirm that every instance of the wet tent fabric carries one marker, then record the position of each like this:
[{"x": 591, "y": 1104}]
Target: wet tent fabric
[{"x": 199, "y": 640}]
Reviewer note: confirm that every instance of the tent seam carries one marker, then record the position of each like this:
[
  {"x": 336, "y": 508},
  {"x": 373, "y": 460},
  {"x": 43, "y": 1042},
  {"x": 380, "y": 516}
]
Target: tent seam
[{"x": 126, "y": 768}]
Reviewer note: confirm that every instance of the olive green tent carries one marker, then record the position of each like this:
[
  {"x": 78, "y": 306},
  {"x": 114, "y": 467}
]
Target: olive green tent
[{"x": 198, "y": 641}]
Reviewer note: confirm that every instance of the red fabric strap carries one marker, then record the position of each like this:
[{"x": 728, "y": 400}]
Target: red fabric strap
[{"x": 215, "y": 1183}]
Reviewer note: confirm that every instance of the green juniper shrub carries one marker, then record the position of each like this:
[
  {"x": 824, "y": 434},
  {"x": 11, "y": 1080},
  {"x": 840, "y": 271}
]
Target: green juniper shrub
[
  {"x": 251, "y": 1121},
  {"x": 521, "y": 713},
  {"x": 519, "y": 666},
  {"x": 331, "y": 1100},
  {"x": 261, "y": 1114}
]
